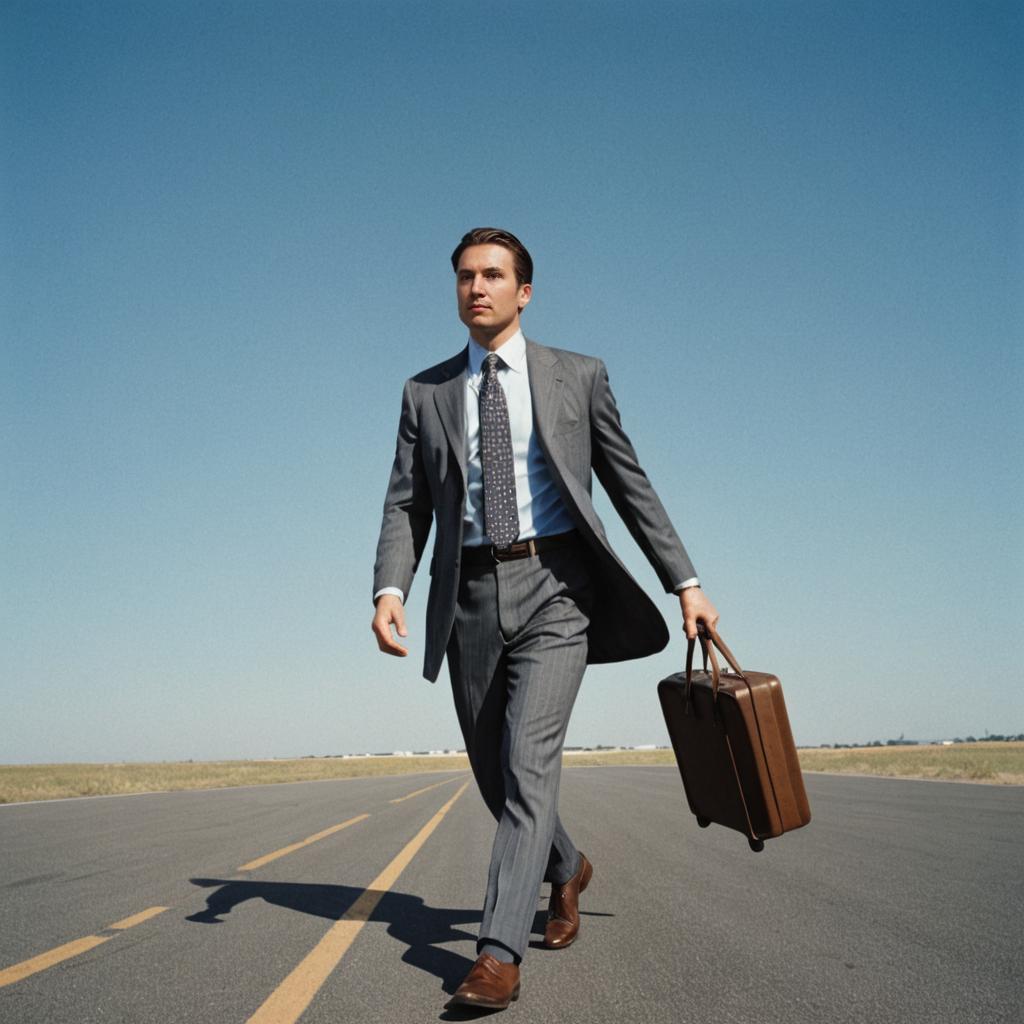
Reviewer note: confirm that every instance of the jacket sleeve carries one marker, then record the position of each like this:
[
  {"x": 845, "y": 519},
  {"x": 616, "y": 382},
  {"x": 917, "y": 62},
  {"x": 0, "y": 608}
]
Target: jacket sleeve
[
  {"x": 408, "y": 510},
  {"x": 617, "y": 467}
]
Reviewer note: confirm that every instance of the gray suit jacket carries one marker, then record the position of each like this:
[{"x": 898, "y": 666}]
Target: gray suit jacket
[{"x": 578, "y": 428}]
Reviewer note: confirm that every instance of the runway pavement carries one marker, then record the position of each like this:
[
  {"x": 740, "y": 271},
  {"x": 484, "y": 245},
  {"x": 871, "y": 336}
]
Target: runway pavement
[{"x": 357, "y": 901}]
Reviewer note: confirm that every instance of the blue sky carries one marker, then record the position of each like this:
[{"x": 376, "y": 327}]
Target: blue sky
[{"x": 792, "y": 230}]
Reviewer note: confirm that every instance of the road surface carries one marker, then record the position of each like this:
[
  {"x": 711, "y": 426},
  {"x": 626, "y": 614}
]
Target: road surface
[{"x": 357, "y": 901}]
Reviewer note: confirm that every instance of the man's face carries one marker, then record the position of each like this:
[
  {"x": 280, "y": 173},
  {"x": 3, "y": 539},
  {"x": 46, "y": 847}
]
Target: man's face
[{"x": 489, "y": 297}]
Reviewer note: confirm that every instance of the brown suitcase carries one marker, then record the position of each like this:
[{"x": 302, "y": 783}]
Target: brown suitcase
[{"x": 732, "y": 741}]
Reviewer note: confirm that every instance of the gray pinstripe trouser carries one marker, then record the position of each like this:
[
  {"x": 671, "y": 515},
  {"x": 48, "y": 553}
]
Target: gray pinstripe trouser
[{"x": 516, "y": 658}]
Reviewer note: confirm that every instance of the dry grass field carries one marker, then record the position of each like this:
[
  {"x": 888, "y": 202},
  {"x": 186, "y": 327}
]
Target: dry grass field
[
  {"x": 54, "y": 781},
  {"x": 999, "y": 763}
]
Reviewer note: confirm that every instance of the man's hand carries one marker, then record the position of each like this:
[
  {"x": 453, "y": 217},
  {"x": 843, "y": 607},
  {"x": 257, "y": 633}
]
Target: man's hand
[
  {"x": 389, "y": 611},
  {"x": 696, "y": 606}
]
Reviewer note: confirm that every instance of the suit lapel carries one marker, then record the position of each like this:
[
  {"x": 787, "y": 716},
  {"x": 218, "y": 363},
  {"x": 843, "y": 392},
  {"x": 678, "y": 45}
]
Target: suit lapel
[
  {"x": 450, "y": 401},
  {"x": 543, "y": 368}
]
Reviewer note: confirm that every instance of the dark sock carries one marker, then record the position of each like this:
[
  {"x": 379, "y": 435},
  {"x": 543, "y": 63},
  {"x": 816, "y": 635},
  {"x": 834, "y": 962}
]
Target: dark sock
[
  {"x": 575, "y": 872},
  {"x": 499, "y": 952}
]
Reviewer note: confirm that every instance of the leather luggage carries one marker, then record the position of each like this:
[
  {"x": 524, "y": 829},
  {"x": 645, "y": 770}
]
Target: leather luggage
[{"x": 735, "y": 750}]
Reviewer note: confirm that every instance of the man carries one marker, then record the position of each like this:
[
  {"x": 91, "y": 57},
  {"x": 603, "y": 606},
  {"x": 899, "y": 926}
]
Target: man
[{"x": 496, "y": 446}]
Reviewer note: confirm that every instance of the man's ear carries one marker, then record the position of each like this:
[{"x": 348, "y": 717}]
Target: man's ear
[{"x": 525, "y": 293}]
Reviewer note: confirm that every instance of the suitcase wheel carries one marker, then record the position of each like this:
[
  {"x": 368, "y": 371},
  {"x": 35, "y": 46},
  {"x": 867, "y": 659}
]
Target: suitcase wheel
[
  {"x": 703, "y": 822},
  {"x": 757, "y": 845}
]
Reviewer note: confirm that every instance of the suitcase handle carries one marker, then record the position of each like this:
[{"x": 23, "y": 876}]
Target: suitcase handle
[{"x": 709, "y": 640}]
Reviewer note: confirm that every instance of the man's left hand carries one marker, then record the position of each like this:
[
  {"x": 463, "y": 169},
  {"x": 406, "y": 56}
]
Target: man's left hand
[{"x": 696, "y": 606}]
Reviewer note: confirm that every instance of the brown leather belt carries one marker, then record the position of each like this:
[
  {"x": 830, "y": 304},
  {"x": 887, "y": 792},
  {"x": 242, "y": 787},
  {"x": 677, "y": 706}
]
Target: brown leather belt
[{"x": 488, "y": 554}]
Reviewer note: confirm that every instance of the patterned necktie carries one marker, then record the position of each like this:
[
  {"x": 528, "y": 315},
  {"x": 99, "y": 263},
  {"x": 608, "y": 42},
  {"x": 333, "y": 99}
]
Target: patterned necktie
[{"x": 501, "y": 512}]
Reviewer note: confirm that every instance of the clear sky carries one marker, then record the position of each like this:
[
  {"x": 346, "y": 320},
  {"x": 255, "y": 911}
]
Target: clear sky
[{"x": 793, "y": 231}]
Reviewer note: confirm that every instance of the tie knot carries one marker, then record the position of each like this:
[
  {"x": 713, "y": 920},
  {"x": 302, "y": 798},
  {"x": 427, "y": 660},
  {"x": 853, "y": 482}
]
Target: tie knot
[{"x": 491, "y": 362}]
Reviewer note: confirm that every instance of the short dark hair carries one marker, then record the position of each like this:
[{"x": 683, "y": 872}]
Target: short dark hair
[{"x": 521, "y": 260}]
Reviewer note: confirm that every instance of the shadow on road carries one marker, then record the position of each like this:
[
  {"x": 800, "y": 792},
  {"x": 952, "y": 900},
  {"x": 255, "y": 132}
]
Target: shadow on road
[{"x": 422, "y": 928}]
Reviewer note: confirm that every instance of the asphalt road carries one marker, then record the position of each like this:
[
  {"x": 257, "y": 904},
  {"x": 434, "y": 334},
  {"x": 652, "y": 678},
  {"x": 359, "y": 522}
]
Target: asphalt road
[{"x": 901, "y": 901}]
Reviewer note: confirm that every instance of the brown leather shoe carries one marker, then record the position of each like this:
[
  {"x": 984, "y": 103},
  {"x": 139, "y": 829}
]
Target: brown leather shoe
[
  {"x": 490, "y": 984},
  {"x": 563, "y": 909}
]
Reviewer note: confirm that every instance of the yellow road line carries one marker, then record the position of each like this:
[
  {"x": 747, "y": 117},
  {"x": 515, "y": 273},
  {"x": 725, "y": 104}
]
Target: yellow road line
[
  {"x": 288, "y": 1001},
  {"x": 425, "y": 789},
  {"x": 266, "y": 859},
  {"x": 131, "y": 922},
  {"x": 52, "y": 957}
]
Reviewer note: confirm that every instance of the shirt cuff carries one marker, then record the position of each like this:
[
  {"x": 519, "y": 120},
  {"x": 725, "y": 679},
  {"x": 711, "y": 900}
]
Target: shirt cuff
[
  {"x": 390, "y": 590},
  {"x": 679, "y": 587}
]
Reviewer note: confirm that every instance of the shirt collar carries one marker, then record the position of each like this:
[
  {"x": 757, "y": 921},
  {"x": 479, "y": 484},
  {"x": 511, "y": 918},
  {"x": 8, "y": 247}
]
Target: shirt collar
[{"x": 512, "y": 352}]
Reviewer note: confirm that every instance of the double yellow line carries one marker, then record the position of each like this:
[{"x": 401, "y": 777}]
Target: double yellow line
[{"x": 287, "y": 1002}]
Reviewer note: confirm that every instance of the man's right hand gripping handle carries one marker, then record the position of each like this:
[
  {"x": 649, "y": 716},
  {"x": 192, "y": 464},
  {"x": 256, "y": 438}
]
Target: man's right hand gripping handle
[{"x": 390, "y": 611}]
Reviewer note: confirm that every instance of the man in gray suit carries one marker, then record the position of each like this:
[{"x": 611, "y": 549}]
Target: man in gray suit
[{"x": 497, "y": 446}]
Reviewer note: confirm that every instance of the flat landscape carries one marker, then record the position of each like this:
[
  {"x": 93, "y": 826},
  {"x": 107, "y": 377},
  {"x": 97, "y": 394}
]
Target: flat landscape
[
  {"x": 1001, "y": 763},
  {"x": 355, "y": 901},
  {"x": 998, "y": 763}
]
